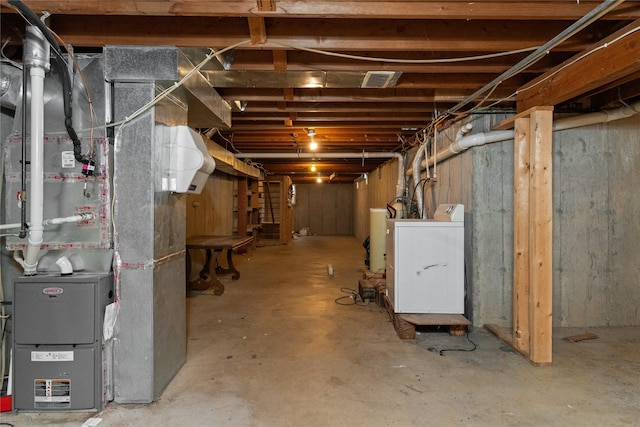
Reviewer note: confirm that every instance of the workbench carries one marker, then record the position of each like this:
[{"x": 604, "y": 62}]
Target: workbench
[{"x": 215, "y": 244}]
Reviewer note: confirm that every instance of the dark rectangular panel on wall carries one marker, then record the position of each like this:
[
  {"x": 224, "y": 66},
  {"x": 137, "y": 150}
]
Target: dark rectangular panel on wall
[{"x": 326, "y": 209}]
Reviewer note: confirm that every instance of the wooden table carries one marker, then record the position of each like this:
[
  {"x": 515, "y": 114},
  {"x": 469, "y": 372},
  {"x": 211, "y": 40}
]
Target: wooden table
[{"x": 215, "y": 244}]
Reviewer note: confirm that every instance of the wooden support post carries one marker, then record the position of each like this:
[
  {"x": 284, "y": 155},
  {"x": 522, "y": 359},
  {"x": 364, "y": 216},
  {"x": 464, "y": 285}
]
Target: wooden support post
[
  {"x": 521, "y": 286},
  {"x": 533, "y": 233},
  {"x": 541, "y": 236}
]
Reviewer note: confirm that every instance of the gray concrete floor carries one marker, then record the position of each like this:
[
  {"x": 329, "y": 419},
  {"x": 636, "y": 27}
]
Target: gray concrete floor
[{"x": 276, "y": 350}]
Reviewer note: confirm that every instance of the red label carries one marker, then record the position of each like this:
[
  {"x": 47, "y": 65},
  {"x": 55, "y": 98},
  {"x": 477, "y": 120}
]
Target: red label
[{"x": 52, "y": 291}]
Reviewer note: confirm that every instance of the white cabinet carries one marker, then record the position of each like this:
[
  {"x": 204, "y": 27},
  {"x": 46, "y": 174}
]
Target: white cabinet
[{"x": 425, "y": 266}]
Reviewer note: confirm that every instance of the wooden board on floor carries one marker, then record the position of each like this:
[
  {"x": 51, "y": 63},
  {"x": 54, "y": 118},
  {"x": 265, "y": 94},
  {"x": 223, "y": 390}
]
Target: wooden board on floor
[
  {"x": 432, "y": 319},
  {"x": 405, "y": 324}
]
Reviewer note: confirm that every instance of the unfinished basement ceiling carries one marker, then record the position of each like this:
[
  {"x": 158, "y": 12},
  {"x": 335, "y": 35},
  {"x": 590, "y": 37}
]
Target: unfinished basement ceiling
[{"x": 364, "y": 75}]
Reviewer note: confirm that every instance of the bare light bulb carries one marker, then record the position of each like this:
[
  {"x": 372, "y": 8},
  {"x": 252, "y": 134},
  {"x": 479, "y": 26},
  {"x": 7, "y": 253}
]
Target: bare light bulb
[
  {"x": 313, "y": 145},
  {"x": 319, "y": 180},
  {"x": 313, "y": 168}
]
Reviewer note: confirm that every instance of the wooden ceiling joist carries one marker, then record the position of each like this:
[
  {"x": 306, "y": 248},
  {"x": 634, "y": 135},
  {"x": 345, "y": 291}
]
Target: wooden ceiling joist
[
  {"x": 607, "y": 61},
  {"x": 479, "y": 9}
]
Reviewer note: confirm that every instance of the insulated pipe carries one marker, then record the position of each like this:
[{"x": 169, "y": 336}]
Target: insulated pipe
[{"x": 363, "y": 155}]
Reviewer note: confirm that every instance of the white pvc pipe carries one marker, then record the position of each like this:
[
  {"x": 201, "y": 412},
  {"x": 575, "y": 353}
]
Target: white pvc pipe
[
  {"x": 562, "y": 124},
  {"x": 73, "y": 218},
  {"x": 54, "y": 221},
  {"x": 36, "y": 193}
]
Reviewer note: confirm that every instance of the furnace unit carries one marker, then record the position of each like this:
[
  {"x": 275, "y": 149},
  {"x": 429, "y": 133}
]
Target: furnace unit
[
  {"x": 425, "y": 263},
  {"x": 58, "y": 350}
]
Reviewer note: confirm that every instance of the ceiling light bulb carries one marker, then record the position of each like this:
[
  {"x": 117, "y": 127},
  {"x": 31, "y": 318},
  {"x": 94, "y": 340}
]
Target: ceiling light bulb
[
  {"x": 313, "y": 168},
  {"x": 319, "y": 180},
  {"x": 313, "y": 145}
]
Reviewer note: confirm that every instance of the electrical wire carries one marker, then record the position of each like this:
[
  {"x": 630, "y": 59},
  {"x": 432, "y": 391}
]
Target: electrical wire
[
  {"x": 353, "y": 298},
  {"x": 442, "y": 351},
  {"x": 525, "y": 63},
  {"x": 59, "y": 61},
  {"x": 212, "y": 54},
  {"x": 4, "y": 58},
  {"x": 408, "y": 61},
  {"x": 579, "y": 58}
]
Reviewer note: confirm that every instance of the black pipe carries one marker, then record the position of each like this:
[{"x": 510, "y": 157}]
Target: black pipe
[
  {"x": 23, "y": 188},
  {"x": 61, "y": 66}
]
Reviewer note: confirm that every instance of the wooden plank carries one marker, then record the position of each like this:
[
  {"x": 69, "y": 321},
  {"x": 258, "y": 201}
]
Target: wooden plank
[
  {"x": 404, "y": 329},
  {"x": 541, "y": 236},
  {"x": 609, "y": 60},
  {"x": 280, "y": 60},
  {"x": 435, "y": 319},
  {"x": 510, "y": 122},
  {"x": 521, "y": 287},
  {"x": 581, "y": 337},
  {"x": 501, "y": 333},
  {"x": 328, "y": 34},
  {"x": 464, "y": 10},
  {"x": 257, "y": 30}
]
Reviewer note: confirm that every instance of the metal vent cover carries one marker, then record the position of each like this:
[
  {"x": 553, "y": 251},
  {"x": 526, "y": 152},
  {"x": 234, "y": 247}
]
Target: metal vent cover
[{"x": 380, "y": 79}]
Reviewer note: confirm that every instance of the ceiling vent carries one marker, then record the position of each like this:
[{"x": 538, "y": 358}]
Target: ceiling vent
[{"x": 380, "y": 79}]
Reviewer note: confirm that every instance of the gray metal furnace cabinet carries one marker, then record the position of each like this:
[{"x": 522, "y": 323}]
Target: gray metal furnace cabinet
[{"x": 57, "y": 342}]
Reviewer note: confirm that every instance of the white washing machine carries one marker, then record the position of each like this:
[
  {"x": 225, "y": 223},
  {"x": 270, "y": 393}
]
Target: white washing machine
[{"x": 425, "y": 262}]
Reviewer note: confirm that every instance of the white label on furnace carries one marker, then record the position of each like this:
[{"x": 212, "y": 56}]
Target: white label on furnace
[
  {"x": 52, "y": 356},
  {"x": 68, "y": 159}
]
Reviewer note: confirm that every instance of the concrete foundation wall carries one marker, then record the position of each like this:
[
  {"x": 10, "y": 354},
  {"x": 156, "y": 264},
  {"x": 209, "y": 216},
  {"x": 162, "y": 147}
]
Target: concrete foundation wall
[
  {"x": 596, "y": 211},
  {"x": 596, "y": 226}
]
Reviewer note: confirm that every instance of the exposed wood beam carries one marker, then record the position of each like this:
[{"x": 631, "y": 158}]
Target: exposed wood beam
[
  {"x": 266, "y": 5},
  {"x": 280, "y": 60},
  {"x": 257, "y": 60},
  {"x": 609, "y": 60},
  {"x": 479, "y": 9},
  {"x": 333, "y": 35},
  {"x": 288, "y": 94},
  {"x": 336, "y": 95},
  {"x": 521, "y": 268},
  {"x": 341, "y": 107},
  {"x": 270, "y": 126},
  {"x": 541, "y": 236},
  {"x": 257, "y": 30}
]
